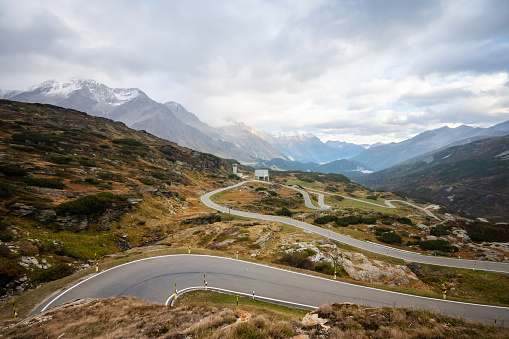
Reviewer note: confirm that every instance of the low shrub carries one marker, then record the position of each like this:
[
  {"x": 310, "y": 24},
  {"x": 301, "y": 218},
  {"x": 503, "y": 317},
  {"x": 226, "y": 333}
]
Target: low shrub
[
  {"x": 54, "y": 272},
  {"x": 160, "y": 175},
  {"x": 325, "y": 268},
  {"x": 354, "y": 220},
  {"x": 6, "y": 190},
  {"x": 88, "y": 204},
  {"x": 92, "y": 181},
  {"x": 274, "y": 194},
  {"x": 437, "y": 245},
  {"x": 325, "y": 219},
  {"x": 86, "y": 162},
  {"x": 285, "y": 212},
  {"x": 12, "y": 171},
  {"x": 128, "y": 141},
  {"x": 380, "y": 230},
  {"x": 439, "y": 231},
  {"x": 390, "y": 238},
  {"x": 145, "y": 181},
  {"x": 60, "y": 160},
  {"x": 295, "y": 259},
  {"x": 404, "y": 220},
  {"x": 45, "y": 182}
]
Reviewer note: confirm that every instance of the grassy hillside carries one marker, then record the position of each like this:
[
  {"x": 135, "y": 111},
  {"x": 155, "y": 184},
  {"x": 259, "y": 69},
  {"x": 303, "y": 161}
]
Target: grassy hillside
[
  {"x": 74, "y": 187},
  {"x": 472, "y": 178},
  {"x": 209, "y": 315}
]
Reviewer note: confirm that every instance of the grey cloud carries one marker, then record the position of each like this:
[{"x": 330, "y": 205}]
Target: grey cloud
[
  {"x": 454, "y": 58},
  {"x": 434, "y": 97}
]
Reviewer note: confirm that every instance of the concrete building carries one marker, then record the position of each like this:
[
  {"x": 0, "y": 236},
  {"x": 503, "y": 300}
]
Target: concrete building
[
  {"x": 234, "y": 168},
  {"x": 261, "y": 174}
]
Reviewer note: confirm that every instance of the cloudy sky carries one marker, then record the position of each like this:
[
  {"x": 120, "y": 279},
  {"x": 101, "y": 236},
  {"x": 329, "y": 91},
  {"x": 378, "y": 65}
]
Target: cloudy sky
[{"x": 358, "y": 71}]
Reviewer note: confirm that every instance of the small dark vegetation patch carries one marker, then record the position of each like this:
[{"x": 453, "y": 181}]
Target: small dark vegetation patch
[
  {"x": 90, "y": 204},
  {"x": 284, "y": 212},
  {"x": 54, "y": 272},
  {"x": 146, "y": 181},
  {"x": 159, "y": 175},
  {"x": 437, "y": 245},
  {"x": 274, "y": 194},
  {"x": 404, "y": 220},
  {"x": 60, "y": 160},
  {"x": 354, "y": 220},
  {"x": 12, "y": 171},
  {"x": 128, "y": 141},
  {"x": 380, "y": 230},
  {"x": 45, "y": 182},
  {"x": 390, "y": 238},
  {"x": 439, "y": 231}
]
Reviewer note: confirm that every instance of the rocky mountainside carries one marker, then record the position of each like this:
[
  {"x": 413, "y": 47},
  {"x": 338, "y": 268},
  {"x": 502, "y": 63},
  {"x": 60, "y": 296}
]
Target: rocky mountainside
[
  {"x": 305, "y": 148},
  {"x": 384, "y": 156},
  {"x": 68, "y": 178},
  {"x": 472, "y": 178},
  {"x": 348, "y": 149}
]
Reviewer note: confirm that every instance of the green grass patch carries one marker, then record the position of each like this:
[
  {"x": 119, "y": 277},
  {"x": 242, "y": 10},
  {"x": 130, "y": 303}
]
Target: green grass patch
[
  {"x": 467, "y": 285},
  {"x": 245, "y": 303}
]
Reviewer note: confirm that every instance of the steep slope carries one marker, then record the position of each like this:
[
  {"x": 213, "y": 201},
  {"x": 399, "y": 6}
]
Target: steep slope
[
  {"x": 246, "y": 138},
  {"x": 347, "y": 149},
  {"x": 385, "y": 156},
  {"x": 134, "y": 108},
  {"x": 473, "y": 178},
  {"x": 305, "y": 148},
  {"x": 72, "y": 185}
]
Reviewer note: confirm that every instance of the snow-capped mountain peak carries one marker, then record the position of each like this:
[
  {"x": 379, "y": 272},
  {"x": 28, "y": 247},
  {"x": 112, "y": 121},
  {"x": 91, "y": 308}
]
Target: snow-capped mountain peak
[{"x": 93, "y": 89}]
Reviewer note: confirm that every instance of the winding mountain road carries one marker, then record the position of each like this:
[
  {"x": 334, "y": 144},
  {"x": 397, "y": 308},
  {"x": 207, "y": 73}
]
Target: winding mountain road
[
  {"x": 365, "y": 245},
  {"x": 153, "y": 279}
]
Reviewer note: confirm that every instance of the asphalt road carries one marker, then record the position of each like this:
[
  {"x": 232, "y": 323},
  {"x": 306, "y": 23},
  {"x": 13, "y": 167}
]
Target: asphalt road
[
  {"x": 153, "y": 279},
  {"x": 365, "y": 245},
  {"x": 307, "y": 199}
]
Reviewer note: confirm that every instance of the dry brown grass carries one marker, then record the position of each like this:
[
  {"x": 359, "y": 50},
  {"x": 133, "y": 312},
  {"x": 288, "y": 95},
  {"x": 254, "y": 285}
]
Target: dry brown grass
[{"x": 127, "y": 317}]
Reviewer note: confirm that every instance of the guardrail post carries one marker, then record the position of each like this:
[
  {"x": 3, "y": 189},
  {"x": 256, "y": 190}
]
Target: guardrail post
[
  {"x": 16, "y": 314},
  {"x": 253, "y": 295}
]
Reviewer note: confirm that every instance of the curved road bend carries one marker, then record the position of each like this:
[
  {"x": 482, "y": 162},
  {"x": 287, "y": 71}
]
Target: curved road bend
[
  {"x": 365, "y": 245},
  {"x": 153, "y": 279},
  {"x": 388, "y": 203},
  {"x": 307, "y": 199}
]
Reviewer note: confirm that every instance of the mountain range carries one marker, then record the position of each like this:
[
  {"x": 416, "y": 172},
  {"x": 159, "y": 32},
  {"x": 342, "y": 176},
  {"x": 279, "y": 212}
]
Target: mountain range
[
  {"x": 472, "y": 178},
  {"x": 173, "y": 122},
  {"x": 235, "y": 140},
  {"x": 384, "y": 156}
]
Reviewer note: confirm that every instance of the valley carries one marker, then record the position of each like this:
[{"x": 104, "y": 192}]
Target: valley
[{"x": 79, "y": 191}]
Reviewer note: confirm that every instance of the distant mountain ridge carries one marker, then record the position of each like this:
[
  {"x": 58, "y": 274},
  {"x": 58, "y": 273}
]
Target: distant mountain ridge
[
  {"x": 384, "y": 156},
  {"x": 346, "y": 167},
  {"x": 173, "y": 122},
  {"x": 134, "y": 108},
  {"x": 235, "y": 140},
  {"x": 472, "y": 178}
]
